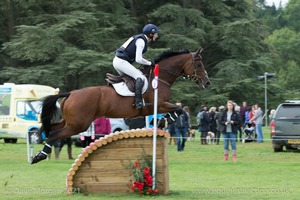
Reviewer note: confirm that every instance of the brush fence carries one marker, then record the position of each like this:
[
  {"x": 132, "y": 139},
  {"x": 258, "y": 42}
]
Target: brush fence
[{"x": 103, "y": 167}]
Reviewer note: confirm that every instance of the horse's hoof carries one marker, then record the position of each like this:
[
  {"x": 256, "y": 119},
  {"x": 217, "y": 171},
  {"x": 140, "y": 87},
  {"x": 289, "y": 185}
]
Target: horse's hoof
[{"x": 38, "y": 157}]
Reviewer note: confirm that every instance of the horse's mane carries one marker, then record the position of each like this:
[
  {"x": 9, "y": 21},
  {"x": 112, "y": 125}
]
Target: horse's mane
[{"x": 170, "y": 53}]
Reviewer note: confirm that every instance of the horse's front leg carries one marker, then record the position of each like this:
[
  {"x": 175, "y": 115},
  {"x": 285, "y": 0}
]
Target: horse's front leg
[
  {"x": 172, "y": 111},
  {"x": 58, "y": 131},
  {"x": 168, "y": 107}
]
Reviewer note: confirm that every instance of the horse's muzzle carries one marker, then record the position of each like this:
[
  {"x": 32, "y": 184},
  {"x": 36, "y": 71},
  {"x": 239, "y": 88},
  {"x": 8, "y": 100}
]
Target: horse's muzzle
[{"x": 204, "y": 83}]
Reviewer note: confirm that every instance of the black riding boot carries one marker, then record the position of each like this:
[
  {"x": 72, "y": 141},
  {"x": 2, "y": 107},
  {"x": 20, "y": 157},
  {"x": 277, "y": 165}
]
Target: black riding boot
[{"x": 139, "y": 83}]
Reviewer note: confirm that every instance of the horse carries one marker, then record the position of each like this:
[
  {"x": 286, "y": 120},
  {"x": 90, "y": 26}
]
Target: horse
[{"x": 79, "y": 108}]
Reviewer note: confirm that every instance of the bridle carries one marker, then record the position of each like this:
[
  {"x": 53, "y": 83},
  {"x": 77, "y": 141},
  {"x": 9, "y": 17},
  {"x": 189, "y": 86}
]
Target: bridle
[{"x": 193, "y": 77}]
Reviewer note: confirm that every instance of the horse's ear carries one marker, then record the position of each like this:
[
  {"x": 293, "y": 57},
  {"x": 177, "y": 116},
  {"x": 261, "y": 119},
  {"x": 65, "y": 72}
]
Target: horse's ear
[{"x": 199, "y": 51}]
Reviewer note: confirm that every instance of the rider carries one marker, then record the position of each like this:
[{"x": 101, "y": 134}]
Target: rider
[{"x": 133, "y": 50}]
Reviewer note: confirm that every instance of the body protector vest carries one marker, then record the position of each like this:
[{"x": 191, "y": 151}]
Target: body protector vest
[{"x": 128, "y": 49}]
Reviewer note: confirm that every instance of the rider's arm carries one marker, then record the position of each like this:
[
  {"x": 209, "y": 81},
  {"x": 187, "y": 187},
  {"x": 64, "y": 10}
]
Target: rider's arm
[{"x": 140, "y": 44}]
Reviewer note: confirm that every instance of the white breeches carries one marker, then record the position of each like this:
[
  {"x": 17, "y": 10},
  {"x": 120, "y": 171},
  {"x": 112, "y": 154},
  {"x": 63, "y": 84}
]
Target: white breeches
[{"x": 124, "y": 67}]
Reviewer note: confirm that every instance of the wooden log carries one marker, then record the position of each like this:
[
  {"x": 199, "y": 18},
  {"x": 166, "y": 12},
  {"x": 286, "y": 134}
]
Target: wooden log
[
  {"x": 106, "y": 169},
  {"x": 149, "y": 133},
  {"x": 138, "y": 133},
  {"x": 160, "y": 132},
  {"x": 93, "y": 146},
  {"x": 84, "y": 154},
  {"x": 99, "y": 143},
  {"x": 132, "y": 134},
  {"x": 108, "y": 138},
  {"x": 69, "y": 183},
  {"x": 126, "y": 134},
  {"x": 74, "y": 167},
  {"x": 77, "y": 162},
  {"x": 144, "y": 133},
  {"x": 71, "y": 171},
  {"x": 120, "y": 136},
  {"x": 69, "y": 177},
  {"x": 88, "y": 149},
  {"x": 115, "y": 137},
  {"x": 103, "y": 141},
  {"x": 81, "y": 157},
  {"x": 167, "y": 135}
]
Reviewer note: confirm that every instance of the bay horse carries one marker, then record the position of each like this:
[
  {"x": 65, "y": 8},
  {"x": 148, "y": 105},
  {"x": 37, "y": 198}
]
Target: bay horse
[{"x": 81, "y": 107}]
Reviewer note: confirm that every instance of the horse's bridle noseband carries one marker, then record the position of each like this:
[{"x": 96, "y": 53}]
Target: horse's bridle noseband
[{"x": 193, "y": 77}]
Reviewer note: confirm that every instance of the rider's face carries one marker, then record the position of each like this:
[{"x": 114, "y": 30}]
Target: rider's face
[{"x": 155, "y": 36}]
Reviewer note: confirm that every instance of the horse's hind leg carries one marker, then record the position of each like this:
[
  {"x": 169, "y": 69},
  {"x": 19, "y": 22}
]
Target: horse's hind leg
[{"x": 53, "y": 137}]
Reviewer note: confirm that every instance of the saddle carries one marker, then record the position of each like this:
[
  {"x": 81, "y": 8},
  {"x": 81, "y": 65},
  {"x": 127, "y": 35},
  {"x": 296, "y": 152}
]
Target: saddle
[{"x": 113, "y": 79}]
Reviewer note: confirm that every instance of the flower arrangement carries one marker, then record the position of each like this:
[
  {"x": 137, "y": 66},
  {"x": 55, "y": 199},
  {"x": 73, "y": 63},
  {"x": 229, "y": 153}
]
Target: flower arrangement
[{"x": 143, "y": 182}]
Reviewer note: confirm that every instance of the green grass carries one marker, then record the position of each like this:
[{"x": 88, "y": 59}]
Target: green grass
[{"x": 197, "y": 173}]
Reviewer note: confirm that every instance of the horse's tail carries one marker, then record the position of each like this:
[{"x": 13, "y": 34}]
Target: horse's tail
[{"x": 49, "y": 109}]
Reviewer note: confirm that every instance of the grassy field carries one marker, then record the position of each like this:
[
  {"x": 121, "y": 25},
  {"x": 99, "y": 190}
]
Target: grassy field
[{"x": 197, "y": 173}]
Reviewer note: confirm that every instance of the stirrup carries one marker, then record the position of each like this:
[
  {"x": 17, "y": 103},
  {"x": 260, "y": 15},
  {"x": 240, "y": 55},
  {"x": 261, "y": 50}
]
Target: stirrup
[{"x": 139, "y": 105}]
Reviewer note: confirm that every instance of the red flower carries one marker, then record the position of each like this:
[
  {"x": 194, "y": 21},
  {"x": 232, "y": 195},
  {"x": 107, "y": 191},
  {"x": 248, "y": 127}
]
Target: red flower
[
  {"x": 146, "y": 171},
  {"x": 137, "y": 165},
  {"x": 143, "y": 182}
]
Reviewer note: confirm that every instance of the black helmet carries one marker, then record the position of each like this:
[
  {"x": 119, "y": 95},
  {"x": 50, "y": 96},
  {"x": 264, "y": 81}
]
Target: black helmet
[{"x": 150, "y": 29}]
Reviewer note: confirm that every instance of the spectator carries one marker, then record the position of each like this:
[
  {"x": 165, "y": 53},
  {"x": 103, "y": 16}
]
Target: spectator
[
  {"x": 230, "y": 122},
  {"x": 247, "y": 113},
  {"x": 218, "y": 116},
  {"x": 203, "y": 123},
  {"x": 189, "y": 126},
  {"x": 251, "y": 115},
  {"x": 212, "y": 120},
  {"x": 88, "y": 136},
  {"x": 272, "y": 112},
  {"x": 187, "y": 111},
  {"x": 258, "y": 118},
  {"x": 237, "y": 109},
  {"x": 243, "y": 110},
  {"x": 102, "y": 126},
  {"x": 171, "y": 129},
  {"x": 181, "y": 126},
  {"x": 58, "y": 145}
]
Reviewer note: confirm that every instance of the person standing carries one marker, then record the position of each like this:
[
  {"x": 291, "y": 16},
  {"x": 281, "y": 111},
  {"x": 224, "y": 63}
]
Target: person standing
[
  {"x": 171, "y": 129},
  {"x": 218, "y": 116},
  {"x": 181, "y": 127},
  {"x": 102, "y": 126},
  {"x": 240, "y": 132},
  {"x": 230, "y": 122},
  {"x": 243, "y": 110},
  {"x": 203, "y": 123},
  {"x": 132, "y": 51},
  {"x": 88, "y": 136},
  {"x": 212, "y": 121},
  {"x": 258, "y": 118},
  {"x": 189, "y": 126}
]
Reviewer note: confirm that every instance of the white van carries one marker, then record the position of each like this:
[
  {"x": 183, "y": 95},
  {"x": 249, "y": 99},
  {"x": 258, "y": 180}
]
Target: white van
[{"x": 20, "y": 108}]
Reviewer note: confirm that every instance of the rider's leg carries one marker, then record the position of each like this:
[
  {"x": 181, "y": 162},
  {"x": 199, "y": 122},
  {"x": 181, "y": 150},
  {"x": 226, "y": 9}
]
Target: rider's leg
[
  {"x": 139, "y": 83},
  {"x": 124, "y": 67}
]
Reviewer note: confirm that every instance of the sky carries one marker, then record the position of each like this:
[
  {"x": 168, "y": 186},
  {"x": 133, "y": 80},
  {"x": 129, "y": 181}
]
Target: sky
[{"x": 270, "y": 2}]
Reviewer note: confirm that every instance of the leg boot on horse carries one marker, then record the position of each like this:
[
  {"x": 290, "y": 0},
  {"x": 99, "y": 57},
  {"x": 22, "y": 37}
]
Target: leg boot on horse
[{"x": 138, "y": 93}]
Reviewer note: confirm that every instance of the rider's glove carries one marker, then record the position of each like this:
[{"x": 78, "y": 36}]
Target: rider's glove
[{"x": 152, "y": 63}]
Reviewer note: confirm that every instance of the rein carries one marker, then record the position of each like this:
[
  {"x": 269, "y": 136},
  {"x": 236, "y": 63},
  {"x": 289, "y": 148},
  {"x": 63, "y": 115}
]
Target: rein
[{"x": 192, "y": 77}]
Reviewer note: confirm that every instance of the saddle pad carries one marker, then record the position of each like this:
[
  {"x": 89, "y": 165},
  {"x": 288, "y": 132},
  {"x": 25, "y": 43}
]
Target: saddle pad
[{"x": 122, "y": 89}]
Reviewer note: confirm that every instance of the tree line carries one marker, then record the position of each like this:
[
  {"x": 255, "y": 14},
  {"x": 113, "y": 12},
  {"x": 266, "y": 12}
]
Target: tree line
[{"x": 70, "y": 44}]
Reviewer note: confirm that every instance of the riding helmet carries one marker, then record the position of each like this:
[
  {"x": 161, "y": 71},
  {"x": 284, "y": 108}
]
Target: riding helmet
[{"x": 150, "y": 30}]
